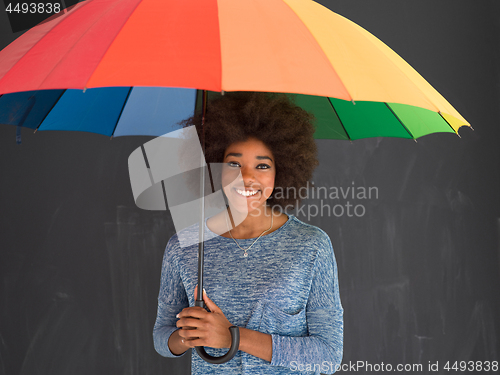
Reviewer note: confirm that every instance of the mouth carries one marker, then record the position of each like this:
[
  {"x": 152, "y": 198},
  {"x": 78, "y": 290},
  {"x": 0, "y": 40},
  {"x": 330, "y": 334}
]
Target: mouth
[{"x": 246, "y": 193}]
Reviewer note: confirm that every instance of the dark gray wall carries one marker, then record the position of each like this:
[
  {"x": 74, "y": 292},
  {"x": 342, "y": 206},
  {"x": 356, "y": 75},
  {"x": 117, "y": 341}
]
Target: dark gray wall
[{"x": 419, "y": 271}]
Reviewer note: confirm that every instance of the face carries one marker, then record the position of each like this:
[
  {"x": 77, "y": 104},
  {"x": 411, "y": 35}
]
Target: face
[{"x": 255, "y": 162}]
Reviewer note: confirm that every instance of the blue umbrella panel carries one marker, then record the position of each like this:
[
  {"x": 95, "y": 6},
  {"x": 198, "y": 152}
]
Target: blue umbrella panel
[{"x": 111, "y": 111}]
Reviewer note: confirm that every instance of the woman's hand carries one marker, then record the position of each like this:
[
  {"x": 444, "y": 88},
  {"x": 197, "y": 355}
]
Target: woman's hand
[{"x": 202, "y": 328}]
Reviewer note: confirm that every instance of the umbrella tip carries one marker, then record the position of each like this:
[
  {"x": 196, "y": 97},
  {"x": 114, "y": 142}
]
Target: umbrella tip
[
  {"x": 84, "y": 89},
  {"x": 353, "y": 102}
]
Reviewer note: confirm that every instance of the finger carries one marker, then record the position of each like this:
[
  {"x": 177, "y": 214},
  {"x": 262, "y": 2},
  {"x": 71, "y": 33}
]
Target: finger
[
  {"x": 193, "y": 311},
  {"x": 194, "y": 342},
  {"x": 192, "y": 323},
  {"x": 182, "y": 325},
  {"x": 196, "y": 292},
  {"x": 210, "y": 304},
  {"x": 189, "y": 334},
  {"x": 188, "y": 342}
]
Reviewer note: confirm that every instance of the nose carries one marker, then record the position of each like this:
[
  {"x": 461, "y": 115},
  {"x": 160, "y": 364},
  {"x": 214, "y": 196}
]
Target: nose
[{"x": 248, "y": 175}]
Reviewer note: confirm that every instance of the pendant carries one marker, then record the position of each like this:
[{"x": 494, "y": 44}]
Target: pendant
[{"x": 245, "y": 255}]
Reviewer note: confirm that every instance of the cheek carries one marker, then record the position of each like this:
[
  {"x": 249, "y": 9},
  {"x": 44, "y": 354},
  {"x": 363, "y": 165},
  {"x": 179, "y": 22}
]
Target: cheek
[
  {"x": 269, "y": 186},
  {"x": 229, "y": 175}
]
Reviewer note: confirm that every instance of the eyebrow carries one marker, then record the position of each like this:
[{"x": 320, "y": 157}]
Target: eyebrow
[{"x": 239, "y": 155}]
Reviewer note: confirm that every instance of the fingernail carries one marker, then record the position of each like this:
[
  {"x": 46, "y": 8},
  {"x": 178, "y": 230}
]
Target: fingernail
[
  {"x": 204, "y": 292},
  {"x": 177, "y": 316}
]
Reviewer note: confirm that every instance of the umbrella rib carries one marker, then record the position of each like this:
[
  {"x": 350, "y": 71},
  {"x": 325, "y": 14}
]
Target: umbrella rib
[
  {"x": 50, "y": 110},
  {"x": 456, "y": 131},
  {"x": 121, "y": 111},
  {"x": 341, "y": 123},
  {"x": 401, "y": 122}
]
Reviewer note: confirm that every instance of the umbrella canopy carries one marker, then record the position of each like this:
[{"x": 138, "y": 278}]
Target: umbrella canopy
[{"x": 289, "y": 46}]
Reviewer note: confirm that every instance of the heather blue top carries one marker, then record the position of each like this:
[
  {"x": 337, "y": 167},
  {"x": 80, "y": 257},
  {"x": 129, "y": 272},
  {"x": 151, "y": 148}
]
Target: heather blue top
[{"x": 286, "y": 287}]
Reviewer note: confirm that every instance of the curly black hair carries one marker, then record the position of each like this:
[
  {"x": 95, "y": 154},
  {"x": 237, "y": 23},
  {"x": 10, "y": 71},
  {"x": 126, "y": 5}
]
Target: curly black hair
[{"x": 286, "y": 129}]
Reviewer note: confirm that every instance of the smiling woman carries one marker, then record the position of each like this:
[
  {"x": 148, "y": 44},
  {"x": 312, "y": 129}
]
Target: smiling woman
[
  {"x": 248, "y": 196},
  {"x": 266, "y": 272}
]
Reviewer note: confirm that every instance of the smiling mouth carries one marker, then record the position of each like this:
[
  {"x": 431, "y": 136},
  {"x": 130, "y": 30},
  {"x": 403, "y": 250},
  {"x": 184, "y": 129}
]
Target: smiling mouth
[{"x": 247, "y": 193}]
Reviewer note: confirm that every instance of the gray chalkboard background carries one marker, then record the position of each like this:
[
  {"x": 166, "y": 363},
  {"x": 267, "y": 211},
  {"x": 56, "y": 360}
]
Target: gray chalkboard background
[{"x": 419, "y": 271}]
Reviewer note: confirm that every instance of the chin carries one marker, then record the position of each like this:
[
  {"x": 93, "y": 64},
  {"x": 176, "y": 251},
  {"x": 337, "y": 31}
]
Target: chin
[{"x": 247, "y": 207}]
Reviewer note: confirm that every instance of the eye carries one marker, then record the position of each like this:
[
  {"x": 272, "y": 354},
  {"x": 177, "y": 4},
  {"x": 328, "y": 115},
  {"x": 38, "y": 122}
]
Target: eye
[
  {"x": 233, "y": 164},
  {"x": 263, "y": 166}
]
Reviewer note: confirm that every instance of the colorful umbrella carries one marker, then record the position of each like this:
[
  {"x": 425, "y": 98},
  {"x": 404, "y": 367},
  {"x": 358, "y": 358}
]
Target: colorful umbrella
[
  {"x": 290, "y": 46},
  {"x": 356, "y": 85}
]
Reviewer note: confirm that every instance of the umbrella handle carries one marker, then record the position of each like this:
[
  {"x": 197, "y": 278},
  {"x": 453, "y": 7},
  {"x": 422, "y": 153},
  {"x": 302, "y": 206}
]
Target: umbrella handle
[{"x": 235, "y": 343}]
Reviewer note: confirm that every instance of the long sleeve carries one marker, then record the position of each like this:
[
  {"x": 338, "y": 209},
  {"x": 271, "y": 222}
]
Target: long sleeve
[
  {"x": 321, "y": 350},
  {"x": 172, "y": 299}
]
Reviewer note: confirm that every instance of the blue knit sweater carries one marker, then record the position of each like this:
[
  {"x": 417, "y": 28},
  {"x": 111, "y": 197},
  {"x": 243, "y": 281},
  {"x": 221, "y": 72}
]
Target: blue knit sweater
[{"x": 286, "y": 287}]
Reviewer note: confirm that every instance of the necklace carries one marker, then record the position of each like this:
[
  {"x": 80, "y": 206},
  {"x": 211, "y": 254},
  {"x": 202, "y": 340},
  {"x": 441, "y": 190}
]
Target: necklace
[{"x": 253, "y": 243}]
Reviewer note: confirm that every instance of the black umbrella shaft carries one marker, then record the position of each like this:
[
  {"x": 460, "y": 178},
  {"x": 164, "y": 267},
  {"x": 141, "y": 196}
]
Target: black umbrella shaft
[
  {"x": 235, "y": 332},
  {"x": 199, "y": 295}
]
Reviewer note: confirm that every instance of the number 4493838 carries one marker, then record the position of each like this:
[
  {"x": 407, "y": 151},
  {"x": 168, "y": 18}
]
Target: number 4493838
[
  {"x": 39, "y": 8},
  {"x": 471, "y": 366}
]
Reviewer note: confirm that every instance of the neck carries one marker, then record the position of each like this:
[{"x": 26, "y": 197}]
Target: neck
[{"x": 252, "y": 225}]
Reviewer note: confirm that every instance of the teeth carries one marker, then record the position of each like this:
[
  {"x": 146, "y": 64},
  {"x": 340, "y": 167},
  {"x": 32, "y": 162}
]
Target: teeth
[{"x": 246, "y": 193}]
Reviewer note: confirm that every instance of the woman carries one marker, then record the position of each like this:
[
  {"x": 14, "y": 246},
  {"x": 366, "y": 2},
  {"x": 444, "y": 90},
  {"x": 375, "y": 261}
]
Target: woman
[{"x": 268, "y": 273}]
